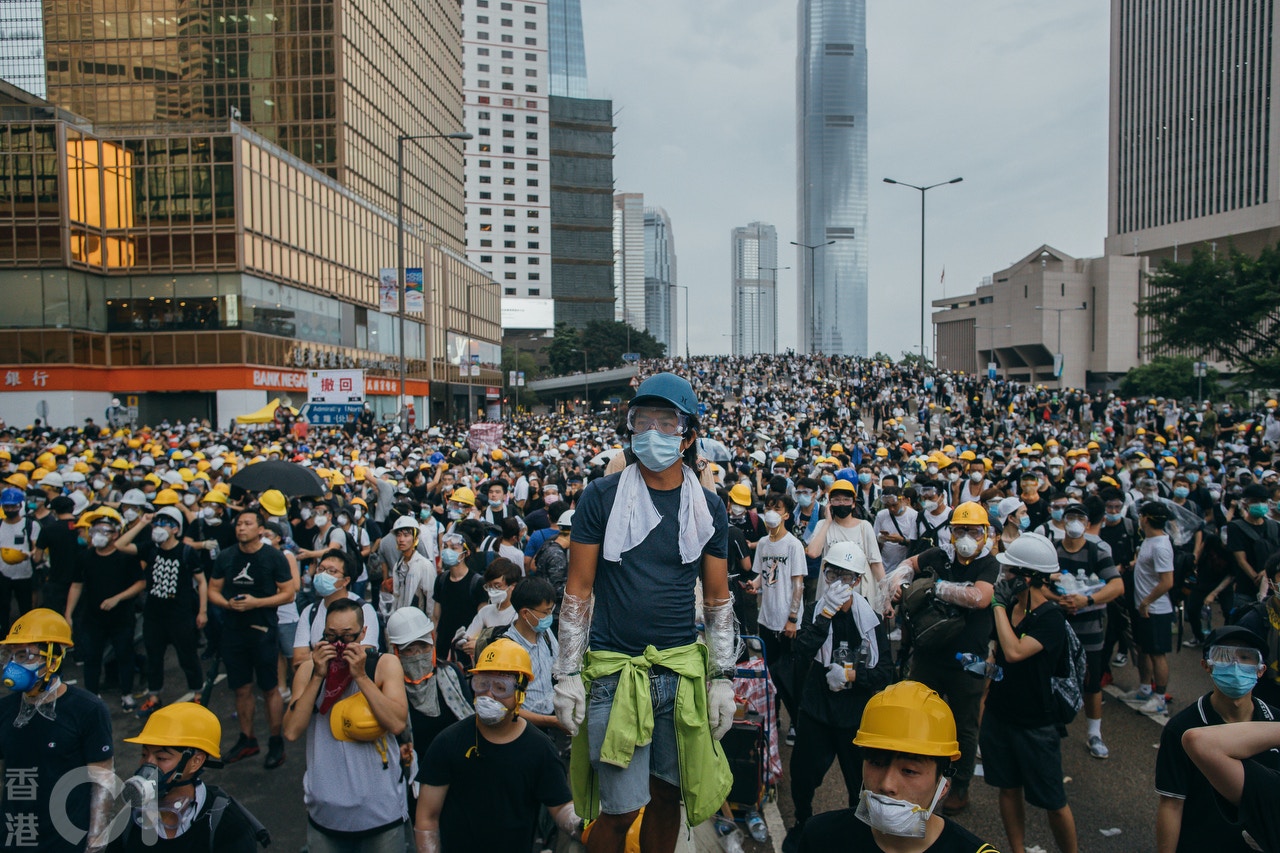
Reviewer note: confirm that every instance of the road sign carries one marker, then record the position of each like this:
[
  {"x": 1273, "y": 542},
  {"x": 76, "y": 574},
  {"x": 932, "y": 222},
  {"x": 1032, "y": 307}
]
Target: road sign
[
  {"x": 631, "y": 357},
  {"x": 1200, "y": 369},
  {"x": 335, "y": 386},
  {"x": 330, "y": 414},
  {"x": 511, "y": 378},
  {"x": 991, "y": 370},
  {"x": 520, "y": 378}
]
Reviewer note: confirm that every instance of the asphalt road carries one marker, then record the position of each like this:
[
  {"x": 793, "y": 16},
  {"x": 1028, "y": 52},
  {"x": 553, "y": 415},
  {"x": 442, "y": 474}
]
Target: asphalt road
[{"x": 1104, "y": 795}]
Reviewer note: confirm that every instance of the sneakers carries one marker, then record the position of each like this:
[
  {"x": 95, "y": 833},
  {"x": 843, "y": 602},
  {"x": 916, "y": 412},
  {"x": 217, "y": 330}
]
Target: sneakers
[
  {"x": 1153, "y": 706},
  {"x": 128, "y": 704},
  {"x": 244, "y": 748},
  {"x": 1191, "y": 642},
  {"x": 1135, "y": 697},
  {"x": 1120, "y": 659},
  {"x": 146, "y": 708},
  {"x": 1097, "y": 748},
  {"x": 791, "y": 736},
  {"x": 286, "y": 694},
  {"x": 275, "y": 753}
]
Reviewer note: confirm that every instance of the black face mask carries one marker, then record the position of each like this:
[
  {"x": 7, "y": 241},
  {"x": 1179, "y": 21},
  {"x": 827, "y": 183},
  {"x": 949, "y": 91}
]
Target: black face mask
[{"x": 843, "y": 511}]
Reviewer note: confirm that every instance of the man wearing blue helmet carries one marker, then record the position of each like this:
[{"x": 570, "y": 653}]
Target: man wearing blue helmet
[
  {"x": 18, "y": 533},
  {"x": 658, "y": 700}
]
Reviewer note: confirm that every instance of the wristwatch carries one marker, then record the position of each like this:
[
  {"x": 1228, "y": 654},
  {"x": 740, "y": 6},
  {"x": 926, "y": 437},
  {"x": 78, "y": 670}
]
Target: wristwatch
[
  {"x": 793, "y": 620},
  {"x": 1090, "y": 599}
]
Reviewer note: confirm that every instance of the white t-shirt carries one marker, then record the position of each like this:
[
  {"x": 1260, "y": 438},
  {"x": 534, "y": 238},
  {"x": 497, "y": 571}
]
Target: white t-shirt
[
  {"x": 15, "y": 536},
  {"x": 310, "y": 631},
  {"x": 1155, "y": 557},
  {"x": 892, "y": 552},
  {"x": 490, "y": 617},
  {"x": 512, "y": 553},
  {"x": 777, "y": 563}
]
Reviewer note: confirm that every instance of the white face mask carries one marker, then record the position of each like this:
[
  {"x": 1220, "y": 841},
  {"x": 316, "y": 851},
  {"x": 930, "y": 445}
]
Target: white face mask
[
  {"x": 1081, "y": 477},
  {"x": 304, "y": 514},
  {"x": 929, "y": 506},
  {"x": 1075, "y": 529},
  {"x": 321, "y": 520},
  {"x": 159, "y": 535},
  {"x": 99, "y": 485},
  {"x": 497, "y": 596},
  {"x": 896, "y": 817},
  {"x": 771, "y": 519},
  {"x": 966, "y": 546},
  {"x": 130, "y": 515},
  {"x": 490, "y": 711},
  {"x": 343, "y": 521},
  {"x": 99, "y": 540},
  {"x": 976, "y": 476},
  {"x": 189, "y": 500}
]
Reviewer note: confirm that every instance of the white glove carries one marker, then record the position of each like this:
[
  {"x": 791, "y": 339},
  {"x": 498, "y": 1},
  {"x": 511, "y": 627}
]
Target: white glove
[
  {"x": 834, "y": 597},
  {"x": 836, "y": 680},
  {"x": 721, "y": 706},
  {"x": 571, "y": 703}
]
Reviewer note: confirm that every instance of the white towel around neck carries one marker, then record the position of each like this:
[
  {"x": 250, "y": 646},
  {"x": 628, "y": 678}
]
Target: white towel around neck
[
  {"x": 634, "y": 516},
  {"x": 865, "y": 618}
]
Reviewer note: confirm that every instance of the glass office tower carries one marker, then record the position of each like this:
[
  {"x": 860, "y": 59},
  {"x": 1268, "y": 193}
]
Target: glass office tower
[
  {"x": 659, "y": 277},
  {"x": 753, "y": 289},
  {"x": 22, "y": 45},
  {"x": 831, "y": 149},
  {"x": 568, "y": 57}
]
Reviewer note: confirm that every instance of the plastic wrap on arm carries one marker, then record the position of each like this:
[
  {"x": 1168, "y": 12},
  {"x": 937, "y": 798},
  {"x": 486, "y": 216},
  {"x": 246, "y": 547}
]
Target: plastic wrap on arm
[
  {"x": 574, "y": 633},
  {"x": 721, "y": 636},
  {"x": 960, "y": 594},
  {"x": 426, "y": 840},
  {"x": 105, "y": 788},
  {"x": 894, "y": 580},
  {"x": 567, "y": 820}
]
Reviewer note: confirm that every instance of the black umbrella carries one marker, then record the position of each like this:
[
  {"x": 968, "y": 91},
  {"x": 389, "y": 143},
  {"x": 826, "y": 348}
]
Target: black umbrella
[{"x": 290, "y": 478}]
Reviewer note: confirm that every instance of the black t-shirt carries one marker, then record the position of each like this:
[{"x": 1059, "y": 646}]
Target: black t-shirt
[
  {"x": 58, "y": 538},
  {"x": 841, "y": 830},
  {"x": 104, "y": 576},
  {"x": 1122, "y": 541},
  {"x": 234, "y": 833},
  {"x": 1023, "y": 698},
  {"x": 1258, "y": 542},
  {"x": 1258, "y": 813},
  {"x": 520, "y": 775},
  {"x": 39, "y": 754},
  {"x": 1203, "y": 825},
  {"x": 459, "y": 600},
  {"x": 977, "y": 622},
  {"x": 651, "y": 577},
  {"x": 170, "y": 574},
  {"x": 253, "y": 574}
]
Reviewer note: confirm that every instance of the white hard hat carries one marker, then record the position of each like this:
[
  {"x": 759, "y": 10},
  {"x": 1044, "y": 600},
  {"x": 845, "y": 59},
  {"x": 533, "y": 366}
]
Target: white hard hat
[
  {"x": 409, "y": 625},
  {"x": 172, "y": 512},
  {"x": 1031, "y": 551},
  {"x": 848, "y": 556},
  {"x": 79, "y": 503},
  {"x": 53, "y": 479},
  {"x": 134, "y": 497},
  {"x": 566, "y": 518},
  {"x": 404, "y": 522}
]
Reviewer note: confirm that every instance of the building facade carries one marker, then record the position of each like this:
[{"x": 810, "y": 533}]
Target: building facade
[
  {"x": 1048, "y": 303},
  {"x": 508, "y": 172},
  {"x": 214, "y": 222},
  {"x": 753, "y": 296},
  {"x": 568, "y": 56},
  {"x": 660, "y": 277},
  {"x": 1194, "y": 136},
  {"x": 831, "y": 150},
  {"x": 582, "y": 209},
  {"x": 628, "y": 259},
  {"x": 22, "y": 45}
]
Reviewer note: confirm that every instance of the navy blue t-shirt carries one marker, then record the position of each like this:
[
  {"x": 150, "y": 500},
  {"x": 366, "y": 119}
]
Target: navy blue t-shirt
[{"x": 647, "y": 598}]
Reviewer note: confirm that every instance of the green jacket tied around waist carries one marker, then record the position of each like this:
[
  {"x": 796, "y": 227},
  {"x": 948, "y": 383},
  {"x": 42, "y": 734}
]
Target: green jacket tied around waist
[{"x": 705, "y": 778}]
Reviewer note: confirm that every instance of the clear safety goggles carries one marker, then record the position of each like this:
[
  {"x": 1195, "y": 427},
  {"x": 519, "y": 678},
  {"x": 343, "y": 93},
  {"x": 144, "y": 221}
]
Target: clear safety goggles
[
  {"x": 497, "y": 686},
  {"x": 665, "y": 421},
  {"x": 834, "y": 575},
  {"x": 1228, "y": 655},
  {"x": 21, "y": 655}
]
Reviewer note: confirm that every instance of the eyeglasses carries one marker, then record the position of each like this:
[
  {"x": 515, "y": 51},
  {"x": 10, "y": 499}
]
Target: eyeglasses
[
  {"x": 497, "y": 686},
  {"x": 665, "y": 421},
  {"x": 335, "y": 637},
  {"x": 1228, "y": 655}
]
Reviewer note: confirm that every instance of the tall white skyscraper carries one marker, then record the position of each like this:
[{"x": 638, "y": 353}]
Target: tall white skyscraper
[
  {"x": 753, "y": 289},
  {"x": 628, "y": 259},
  {"x": 22, "y": 45},
  {"x": 831, "y": 148},
  {"x": 505, "y": 88},
  {"x": 659, "y": 277}
]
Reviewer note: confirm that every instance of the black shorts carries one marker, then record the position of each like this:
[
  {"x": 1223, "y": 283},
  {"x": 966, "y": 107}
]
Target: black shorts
[
  {"x": 1154, "y": 634},
  {"x": 1031, "y": 759},
  {"x": 250, "y": 652},
  {"x": 1093, "y": 672}
]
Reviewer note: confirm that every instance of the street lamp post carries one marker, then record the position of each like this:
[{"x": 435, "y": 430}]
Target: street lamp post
[
  {"x": 400, "y": 270},
  {"x": 1081, "y": 307},
  {"x": 685, "y": 288},
  {"x": 922, "y": 190},
  {"x": 472, "y": 368},
  {"x": 774, "y": 270},
  {"x": 813, "y": 328}
]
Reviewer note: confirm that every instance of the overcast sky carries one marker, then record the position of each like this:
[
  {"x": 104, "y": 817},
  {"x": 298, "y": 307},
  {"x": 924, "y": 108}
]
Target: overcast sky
[{"x": 1009, "y": 95}]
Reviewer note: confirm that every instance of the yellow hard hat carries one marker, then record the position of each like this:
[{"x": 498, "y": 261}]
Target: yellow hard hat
[
  {"x": 39, "y": 474},
  {"x": 503, "y": 655},
  {"x": 909, "y": 717},
  {"x": 12, "y": 556},
  {"x": 463, "y": 495},
  {"x": 41, "y": 625},
  {"x": 166, "y": 497},
  {"x": 186, "y": 474},
  {"x": 215, "y": 496},
  {"x": 882, "y": 452},
  {"x": 741, "y": 494},
  {"x": 970, "y": 512},
  {"x": 842, "y": 486},
  {"x": 337, "y": 479},
  {"x": 26, "y": 465},
  {"x": 272, "y": 500},
  {"x": 837, "y": 448},
  {"x": 352, "y": 719},
  {"x": 968, "y": 456},
  {"x": 17, "y": 480},
  {"x": 497, "y": 456},
  {"x": 184, "y": 724}
]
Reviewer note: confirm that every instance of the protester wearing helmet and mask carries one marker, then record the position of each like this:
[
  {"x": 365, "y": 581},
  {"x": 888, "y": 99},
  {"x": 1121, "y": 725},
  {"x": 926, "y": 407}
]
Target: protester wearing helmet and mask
[
  {"x": 412, "y": 580},
  {"x": 18, "y": 534},
  {"x": 47, "y": 730},
  {"x": 1189, "y": 817},
  {"x": 497, "y": 758},
  {"x": 907, "y": 737},
  {"x": 459, "y": 592},
  {"x": 631, "y": 591},
  {"x": 962, "y": 576},
  {"x": 854, "y": 660},
  {"x": 844, "y": 526},
  {"x": 438, "y": 691},
  {"x": 107, "y": 581},
  {"x": 171, "y": 806}
]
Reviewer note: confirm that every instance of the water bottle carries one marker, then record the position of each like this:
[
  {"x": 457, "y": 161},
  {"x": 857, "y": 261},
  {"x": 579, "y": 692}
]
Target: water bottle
[
  {"x": 756, "y": 826},
  {"x": 1081, "y": 580},
  {"x": 978, "y": 667},
  {"x": 843, "y": 656},
  {"x": 1206, "y": 619}
]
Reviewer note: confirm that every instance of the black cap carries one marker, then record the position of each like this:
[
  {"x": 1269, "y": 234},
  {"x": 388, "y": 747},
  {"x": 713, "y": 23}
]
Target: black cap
[
  {"x": 1255, "y": 492},
  {"x": 1235, "y": 635},
  {"x": 1077, "y": 508},
  {"x": 1155, "y": 510}
]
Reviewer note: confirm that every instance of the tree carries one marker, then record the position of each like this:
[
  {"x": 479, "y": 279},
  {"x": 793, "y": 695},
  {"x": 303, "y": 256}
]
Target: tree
[
  {"x": 1226, "y": 308},
  {"x": 602, "y": 343},
  {"x": 1168, "y": 376},
  {"x": 914, "y": 359},
  {"x": 564, "y": 352}
]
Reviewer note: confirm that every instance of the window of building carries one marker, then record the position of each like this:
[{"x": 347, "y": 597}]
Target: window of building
[
  {"x": 534, "y": 261},
  {"x": 483, "y": 99},
  {"x": 486, "y": 259},
  {"x": 531, "y": 57},
  {"x": 508, "y": 244},
  {"x": 485, "y": 148},
  {"x": 508, "y": 164},
  {"x": 509, "y": 276},
  {"x": 531, "y": 42},
  {"x": 509, "y": 229},
  {"x": 483, "y": 4},
  {"x": 530, "y": 25},
  {"x": 508, "y": 211},
  {"x": 530, "y": 10},
  {"x": 532, "y": 167},
  {"x": 509, "y": 259},
  {"x": 482, "y": 67},
  {"x": 506, "y": 39},
  {"x": 530, "y": 119},
  {"x": 534, "y": 229},
  {"x": 531, "y": 134},
  {"x": 533, "y": 244},
  {"x": 485, "y": 179},
  {"x": 508, "y": 149},
  {"x": 484, "y": 244},
  {"x": 508, "y": 54},
  {"x": 508, "y": 117},
  {"x": 531, "y": 72},
  {"x": 486, "y": 211},
  {"x": 509, "y": 291},
  {"x": 508, "y": 182},
  {"x": 533, "y": 214},
  {"x": 531, "y": 105},
  {"x": 508, "y": 102},
  {"x": 508, "y": 196},
  {"x": 483, "y": 115},
  {"x": 508, "y": 134},
  {"x": 535, "y": 291},
  {"x": 508, "y": 87},
  {"x": 484, "y": 131},
  {"x": 532, "y": 152},
  {"x": 532, "y": 89},
  {"x": 485, "y": 164},
  {"x": 532, "y": 197},
  {"x": 507, "y": 69},
  {"x": 486, "y": 226},
  {"x": 482, "y": 36},
  {"x": 483, "y": 84},
  {"x": 531, "y": 182},
  {"x": 506, "y": 7},
  {"x": 506, "y": 22},
  {"x": 483, "y": 51},
  {"x": 485, "y": 195}
]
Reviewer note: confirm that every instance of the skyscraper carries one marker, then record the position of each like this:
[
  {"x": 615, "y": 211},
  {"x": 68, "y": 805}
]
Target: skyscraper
[
  {"x": 22, "y": 45},
  {"x": 753, "y": 289},
  {"x": 568, "y": 57},
  {"x": 628, "y": 259},
  {"x": 1194, "y": 136},
  {"x": 659, "y": 276},
  {"x": 505, "y": 48},
  {"x": 831, "y": 148}
]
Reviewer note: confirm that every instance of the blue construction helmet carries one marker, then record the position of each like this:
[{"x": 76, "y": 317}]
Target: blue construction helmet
[
  {"x": 12, "y": 497},
  {"x": 667, "y": 389}
]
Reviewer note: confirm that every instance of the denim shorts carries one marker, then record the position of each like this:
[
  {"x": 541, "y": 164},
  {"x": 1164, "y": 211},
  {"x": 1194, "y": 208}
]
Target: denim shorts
[{"x": 626, "y": 789}]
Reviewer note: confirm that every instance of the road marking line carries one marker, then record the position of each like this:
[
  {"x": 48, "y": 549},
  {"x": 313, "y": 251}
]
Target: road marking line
[
  {"x": 1162, "y": 720},
  {"x": 773, "y": 820}
]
